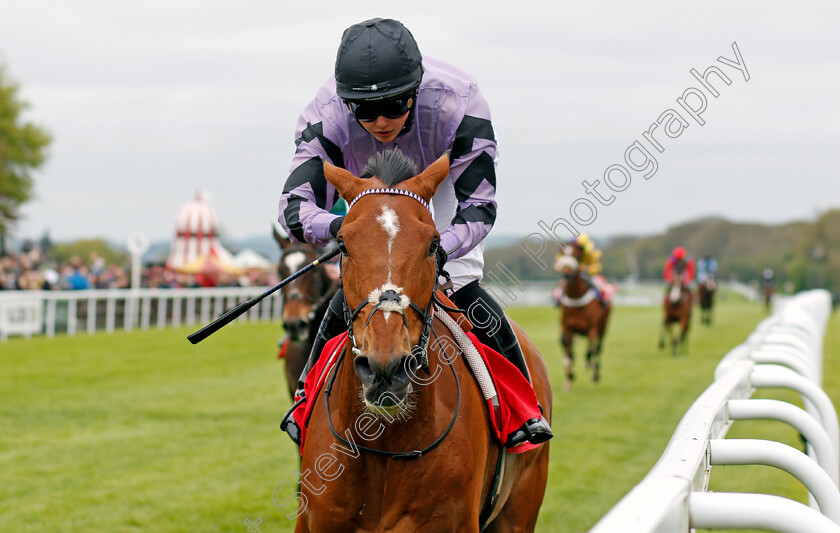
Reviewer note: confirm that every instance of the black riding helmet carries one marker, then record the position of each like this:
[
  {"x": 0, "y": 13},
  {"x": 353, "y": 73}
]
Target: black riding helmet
[{"x": 377, "y": 60}]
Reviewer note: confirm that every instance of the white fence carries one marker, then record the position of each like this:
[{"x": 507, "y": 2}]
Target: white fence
[
  {"x": 784, "y": 351},
  {"x": 30, "y": 313}
]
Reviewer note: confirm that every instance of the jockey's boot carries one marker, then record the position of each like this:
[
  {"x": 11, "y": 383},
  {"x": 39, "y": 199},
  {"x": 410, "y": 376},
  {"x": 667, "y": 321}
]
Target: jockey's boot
[
  {"x": 535, "y": 430},
  {"x": 331, "y": 325},
  {"x": 503, "y": 339}
]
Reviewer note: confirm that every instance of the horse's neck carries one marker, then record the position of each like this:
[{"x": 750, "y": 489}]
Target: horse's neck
[
  {"x": 576, "y": 286},
  {"x": 676, "y": 291}
]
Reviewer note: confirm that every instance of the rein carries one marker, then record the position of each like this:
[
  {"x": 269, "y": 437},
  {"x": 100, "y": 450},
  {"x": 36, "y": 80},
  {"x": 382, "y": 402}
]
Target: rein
[{"x": 413, "y": 454}]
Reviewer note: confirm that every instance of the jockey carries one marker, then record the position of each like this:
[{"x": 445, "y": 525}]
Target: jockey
[
  {"x": 385, "y": 95},
  {"x": 680, "y": 263},
  {"x": 706, "y": 267},
  {"x": 767, "y": 277},
  {"x": 590, "y": 261},
  {"x": 590, "y": 267}
]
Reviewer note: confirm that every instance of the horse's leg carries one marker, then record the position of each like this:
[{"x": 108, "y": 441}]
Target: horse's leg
[
  {"x": 675, "y": 341},
  {"x": 592, "y": 355},
  {"x": 520, "y": 511},
  {"x": 600, "y": 332},
  {"x": 568, "y": 360},
  {"x": 673, "y": 338},
  {"x": 711, "y": 307},
  {"x": 662, "y": 333},
  {"x": 684, "y": 334}
]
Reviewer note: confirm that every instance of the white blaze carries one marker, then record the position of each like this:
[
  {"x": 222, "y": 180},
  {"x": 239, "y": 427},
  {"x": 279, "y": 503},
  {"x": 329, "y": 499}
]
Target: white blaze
[
  {"x": 294, "y": 261},
  {"x": 390, "y": 223}
]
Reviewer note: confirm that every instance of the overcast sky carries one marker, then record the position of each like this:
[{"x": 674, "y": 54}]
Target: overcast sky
[{"x": 150, "y": 100}]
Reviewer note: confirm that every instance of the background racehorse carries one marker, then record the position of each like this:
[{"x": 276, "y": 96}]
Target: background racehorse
[
  {"x": 305, "y": 301},
  {"x": 380, "y": 402},
  {"x": 583, "y": 313},
  {"x": 707, "y": 296},
  {"x": 677, "y": 310},
  {"x": 767, "y": 292}
]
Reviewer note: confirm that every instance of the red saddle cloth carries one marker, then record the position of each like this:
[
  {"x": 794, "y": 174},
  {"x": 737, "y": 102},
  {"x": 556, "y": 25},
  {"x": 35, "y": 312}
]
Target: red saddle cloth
[{"x": 517, "y": 401}]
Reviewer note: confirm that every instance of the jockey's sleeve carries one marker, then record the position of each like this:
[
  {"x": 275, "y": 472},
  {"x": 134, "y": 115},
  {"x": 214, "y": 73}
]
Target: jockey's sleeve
[
  {"x": 667, "y": 274},
  {"x": 473, "y": 173},
  {"x": 307, "y": 196}
]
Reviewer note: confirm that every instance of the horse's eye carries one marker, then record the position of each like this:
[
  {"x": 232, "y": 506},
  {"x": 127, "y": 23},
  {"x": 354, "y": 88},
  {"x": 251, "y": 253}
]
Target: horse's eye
[
  {"x": 341, "y": 246},
  {"x": 434, "y": 246}
]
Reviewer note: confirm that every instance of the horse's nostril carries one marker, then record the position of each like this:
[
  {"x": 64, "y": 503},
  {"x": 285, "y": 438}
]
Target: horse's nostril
[
  {"x": 366, "y": 369},
  {"x": 401, "y": 369},
  {"x": 395, "y": 375}
]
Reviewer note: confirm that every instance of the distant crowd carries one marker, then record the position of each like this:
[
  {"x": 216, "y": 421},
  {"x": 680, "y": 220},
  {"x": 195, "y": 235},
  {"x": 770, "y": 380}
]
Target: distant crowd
[{"x": 32, "y": 270}]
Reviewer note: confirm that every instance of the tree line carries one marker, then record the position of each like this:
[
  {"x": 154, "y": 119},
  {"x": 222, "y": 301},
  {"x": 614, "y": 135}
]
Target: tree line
[{"x": 804, "y": 254}]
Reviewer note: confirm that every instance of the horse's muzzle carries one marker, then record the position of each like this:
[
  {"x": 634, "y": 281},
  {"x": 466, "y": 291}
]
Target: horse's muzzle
[
  {"x": 297, "y": 329},
  {"x": 384, "y": 387}
]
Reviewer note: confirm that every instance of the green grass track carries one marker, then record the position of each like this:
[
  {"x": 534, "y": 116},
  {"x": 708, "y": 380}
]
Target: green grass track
[{"x": 144, "y": 432}]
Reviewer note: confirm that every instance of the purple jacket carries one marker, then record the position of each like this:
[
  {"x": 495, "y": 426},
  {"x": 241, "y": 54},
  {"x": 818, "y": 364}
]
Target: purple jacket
[{"x": 451, "y": 114}]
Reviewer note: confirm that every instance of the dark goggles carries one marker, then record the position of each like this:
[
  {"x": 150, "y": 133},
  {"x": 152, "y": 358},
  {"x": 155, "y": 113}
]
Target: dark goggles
[{"x": 394, "y": 107}]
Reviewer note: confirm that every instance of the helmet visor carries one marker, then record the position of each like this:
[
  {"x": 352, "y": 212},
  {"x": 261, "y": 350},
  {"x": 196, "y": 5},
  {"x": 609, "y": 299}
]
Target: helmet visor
[{"x": 394, "y": 107}]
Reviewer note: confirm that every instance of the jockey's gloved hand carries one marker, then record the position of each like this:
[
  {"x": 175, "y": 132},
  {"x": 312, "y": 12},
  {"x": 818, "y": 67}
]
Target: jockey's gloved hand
[
  {"x": 335, "y": 225},
  {"x": 440, "y": 254}
]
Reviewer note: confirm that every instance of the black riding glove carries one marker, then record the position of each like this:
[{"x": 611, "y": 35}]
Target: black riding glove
[{"x": 440, "y": 254}]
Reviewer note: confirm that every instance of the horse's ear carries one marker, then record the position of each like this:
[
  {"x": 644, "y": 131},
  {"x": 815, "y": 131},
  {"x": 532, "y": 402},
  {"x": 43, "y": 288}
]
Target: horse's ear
[
  {"x": 284, "y": 242},
  {"x": 347, "y": 185},
  {"x": 426, "y": 183}
]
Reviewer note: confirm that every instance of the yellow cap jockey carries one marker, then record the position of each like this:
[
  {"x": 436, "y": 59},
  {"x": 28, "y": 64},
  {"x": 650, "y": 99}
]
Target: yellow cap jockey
[{"x": 590, "y": 261}]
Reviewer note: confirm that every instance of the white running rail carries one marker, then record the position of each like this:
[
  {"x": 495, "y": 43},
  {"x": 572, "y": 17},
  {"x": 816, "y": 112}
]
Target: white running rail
[
  {"x": 30, "y": 313},
  {"x": 785, "y": 351}
]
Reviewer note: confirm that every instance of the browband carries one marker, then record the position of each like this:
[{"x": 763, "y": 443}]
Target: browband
[{"x": 389, "y": 190}]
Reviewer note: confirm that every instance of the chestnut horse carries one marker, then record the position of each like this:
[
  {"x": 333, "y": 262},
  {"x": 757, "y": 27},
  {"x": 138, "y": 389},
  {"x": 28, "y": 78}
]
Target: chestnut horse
[
  {"x": 305, "y": 301},
  {"x": 583, "y": 313},
  {"x": 677, "y": 310},
  {"x": 707, "y": 298},
  {"x": 389, "y": 448}
]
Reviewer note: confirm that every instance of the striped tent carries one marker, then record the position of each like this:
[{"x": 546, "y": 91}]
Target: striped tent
[{"x": 196, "y": 235}]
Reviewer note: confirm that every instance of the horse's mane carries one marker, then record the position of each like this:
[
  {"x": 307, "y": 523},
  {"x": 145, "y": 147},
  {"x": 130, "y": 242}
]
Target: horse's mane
[{"x": 391, "y": 167}]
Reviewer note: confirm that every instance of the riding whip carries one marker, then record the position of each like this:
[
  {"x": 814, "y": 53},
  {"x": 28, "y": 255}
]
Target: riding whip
[{"x": 230, "y": 315}]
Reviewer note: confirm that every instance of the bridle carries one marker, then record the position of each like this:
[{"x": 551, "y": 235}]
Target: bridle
[
  {"x": 426, "y": 314},
  {"x": 419, "y": 351},
  {"x": 296, "y": 294}
]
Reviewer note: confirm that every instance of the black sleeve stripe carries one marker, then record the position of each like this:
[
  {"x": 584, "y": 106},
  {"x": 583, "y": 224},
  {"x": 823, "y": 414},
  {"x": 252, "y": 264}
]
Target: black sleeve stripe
[
  {"x": 292, "y": 215},
  {"x": 477, "y": 213},
  {"x": 481, "y": 168},
  {"x": 311, "y": 172},
  {"x": 316, "y": 131},
  {"x": 471, "y": 128}
]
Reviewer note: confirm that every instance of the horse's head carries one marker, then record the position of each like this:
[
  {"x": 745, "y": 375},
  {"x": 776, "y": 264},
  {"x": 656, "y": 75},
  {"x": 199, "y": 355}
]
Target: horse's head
[
  {"x": 302, "y": 296},
  {"x": 567, "y": 264},
  {"x": 388, "y": 268}
]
